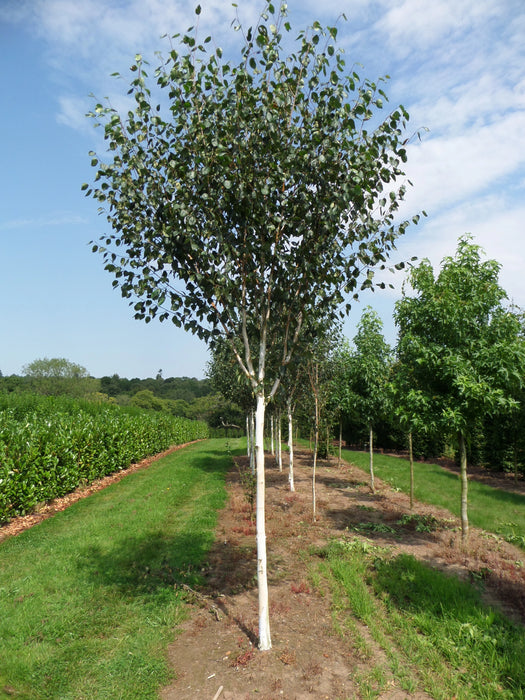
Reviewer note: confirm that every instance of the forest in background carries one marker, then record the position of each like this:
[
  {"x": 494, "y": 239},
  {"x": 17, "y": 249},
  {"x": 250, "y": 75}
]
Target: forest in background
[{"x": 186, "y": 397}]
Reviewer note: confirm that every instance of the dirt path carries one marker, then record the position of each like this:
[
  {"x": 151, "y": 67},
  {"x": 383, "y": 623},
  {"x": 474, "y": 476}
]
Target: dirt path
[{"x": 216, "y": 648}]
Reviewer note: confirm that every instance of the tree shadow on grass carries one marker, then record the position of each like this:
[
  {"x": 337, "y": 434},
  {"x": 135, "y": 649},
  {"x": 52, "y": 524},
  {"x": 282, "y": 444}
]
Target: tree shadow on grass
[
  {"x": 140, "y": 564},
  {"x": 210, "y": 460},
  {"x": 136, "y": 566},
  {"x": 140, "y": 568},
  {"x": 507, "y": 498}
]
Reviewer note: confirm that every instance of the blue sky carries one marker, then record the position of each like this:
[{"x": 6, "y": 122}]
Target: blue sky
[{"x": 458, "y": 66}]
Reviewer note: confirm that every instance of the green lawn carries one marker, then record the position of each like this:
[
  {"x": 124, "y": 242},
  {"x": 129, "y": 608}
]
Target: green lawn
[
  {"x": 491, "y": 509},
  {"x": 433, "y": 631},
  {"x": 87, "y": 598}
]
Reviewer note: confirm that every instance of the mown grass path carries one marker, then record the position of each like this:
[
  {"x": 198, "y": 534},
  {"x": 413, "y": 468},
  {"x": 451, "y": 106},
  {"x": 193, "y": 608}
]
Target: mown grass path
[{"x": 88, "y": 601}]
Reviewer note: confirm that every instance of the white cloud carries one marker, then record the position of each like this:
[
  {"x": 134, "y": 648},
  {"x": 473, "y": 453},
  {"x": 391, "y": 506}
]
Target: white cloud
[
  {"x": 93, "y": 29},
  {"x": 445, "y": 170},
  {"x": 484, "y": 100},
  {"x": 420, "y": 25},
  {"x": 72, "y": 112},
  {"x": 13, "y": 11},
  {"x": 85, "y": 42},
  {"x": 496, "y": 223}
]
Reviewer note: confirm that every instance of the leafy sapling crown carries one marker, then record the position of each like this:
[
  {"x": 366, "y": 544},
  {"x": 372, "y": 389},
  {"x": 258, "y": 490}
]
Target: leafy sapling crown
[{"x": 251, "y": 187}]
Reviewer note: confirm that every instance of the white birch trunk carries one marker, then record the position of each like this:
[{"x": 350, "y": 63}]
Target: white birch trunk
[
  {"x": 411, "y": 458},
  {"x": 340, "y": 440},
  {"x": 464, "y": 487},
  {"x": 372, "y": 483},
  {"x": 316, "y": 447},
  {"x": 248, "y": 437},
  {"x": 265, "y": 642},
  {"x": 252, "y": 444},
  {"x": 272, "y": 435},
  {"x": 279, "y": 442},
  {"x": 290, "y": 448}
]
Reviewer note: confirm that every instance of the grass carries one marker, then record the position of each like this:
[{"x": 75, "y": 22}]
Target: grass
[
  {"x": 493, "y": 510},
  {"x": 88, "y": 601},
  {"x": 418, "y": 628}
]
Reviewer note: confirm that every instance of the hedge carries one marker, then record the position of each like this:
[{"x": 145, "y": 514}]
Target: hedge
[{"x": 51, "y": 445}]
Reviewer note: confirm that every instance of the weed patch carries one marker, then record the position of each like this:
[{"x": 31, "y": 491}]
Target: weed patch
[
  {"x": 419, "y": 523},
  {"x": 374, "y": 527}
]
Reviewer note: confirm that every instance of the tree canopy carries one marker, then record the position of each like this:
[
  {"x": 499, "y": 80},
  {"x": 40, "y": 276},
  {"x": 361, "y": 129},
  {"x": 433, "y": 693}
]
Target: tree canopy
[
  {"x": 459, "y": 340},
  {"x": 57, "y": 375},
  {"x": 254, "y": 189},
  {"x": 371, "y": 367},
  {"x": 55, "y": 368}
]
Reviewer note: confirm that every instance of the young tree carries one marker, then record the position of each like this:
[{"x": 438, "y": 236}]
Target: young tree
[
  {"x": 250, "y": 194},
  {"x": 371, "y": 368},
  {"x": 410, "y": 408},
  {"x": 462, "y": 346},
  {"x": 317, "y": 371},
  {"x": 289, "y": 391},
  {"x": 342, "y": 398}
]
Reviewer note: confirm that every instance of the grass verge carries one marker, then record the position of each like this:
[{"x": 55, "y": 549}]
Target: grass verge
[
  {"x": 419, "y": 629},
  {"x": 490, "y": 509},
  {"x": 88, "y": 601}
]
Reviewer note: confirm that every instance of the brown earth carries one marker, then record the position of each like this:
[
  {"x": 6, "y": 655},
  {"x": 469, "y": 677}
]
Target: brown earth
[
  {"x": 215, "y": 656},
  {"x": 215, "y": 653}
]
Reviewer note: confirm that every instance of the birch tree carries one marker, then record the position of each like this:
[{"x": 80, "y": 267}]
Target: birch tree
[
  {"x": 243, "y": 194},
  {"x": 317, "y": 374},
  {"x": 342, "y": 398}
]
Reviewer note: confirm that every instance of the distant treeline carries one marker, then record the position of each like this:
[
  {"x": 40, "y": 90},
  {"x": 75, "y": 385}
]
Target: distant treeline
[
  {"x": 185, "y": 397},
  {"x": 174, "y": 388}
]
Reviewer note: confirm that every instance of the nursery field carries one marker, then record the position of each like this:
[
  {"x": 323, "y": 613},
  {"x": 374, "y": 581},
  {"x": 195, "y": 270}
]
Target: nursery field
[
  {"x": 147, "y": 589},
  {"x": 370, "y": 601}
]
